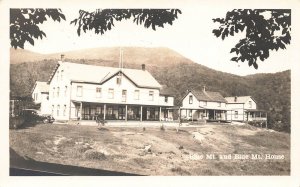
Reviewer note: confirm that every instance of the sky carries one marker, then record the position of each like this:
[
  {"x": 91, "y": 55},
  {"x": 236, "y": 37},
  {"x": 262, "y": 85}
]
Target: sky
[{"x": 190, "y": 35}]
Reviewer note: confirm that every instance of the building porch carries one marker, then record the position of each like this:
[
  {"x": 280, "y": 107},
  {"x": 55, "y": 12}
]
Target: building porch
[
  {"x": 202, "y": 114},
  {"x": 120, "y": 112}
]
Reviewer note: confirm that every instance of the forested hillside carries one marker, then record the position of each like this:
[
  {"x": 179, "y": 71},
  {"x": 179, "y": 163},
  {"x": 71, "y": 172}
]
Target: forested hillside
[{"x": 271, "y": 91}]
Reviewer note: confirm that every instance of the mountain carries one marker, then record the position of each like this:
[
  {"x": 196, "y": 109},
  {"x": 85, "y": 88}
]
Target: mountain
[
  {"x": 271, "y": 90},
  {"x": 133, "y": 55},
  {"x": 22, "y": 55}
]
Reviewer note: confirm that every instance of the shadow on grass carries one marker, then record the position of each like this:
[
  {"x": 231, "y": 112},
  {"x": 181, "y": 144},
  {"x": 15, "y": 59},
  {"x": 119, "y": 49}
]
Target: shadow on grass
[
  {"x": 102, "y": 129},
  {"x": 25, "y": 166}
]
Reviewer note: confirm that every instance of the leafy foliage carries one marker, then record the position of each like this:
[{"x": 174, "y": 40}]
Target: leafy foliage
[
  {"x": 24, "y": 24},
  {"x": 265, "y": 30},
  {"x": 103, "y": 20}
]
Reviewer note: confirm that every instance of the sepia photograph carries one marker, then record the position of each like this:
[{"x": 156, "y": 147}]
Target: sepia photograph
[{"x": 98, "y": 90}]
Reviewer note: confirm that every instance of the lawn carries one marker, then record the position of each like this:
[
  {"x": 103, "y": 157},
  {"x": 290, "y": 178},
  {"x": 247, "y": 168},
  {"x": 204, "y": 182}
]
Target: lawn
[{"x": 205, "y": 150}]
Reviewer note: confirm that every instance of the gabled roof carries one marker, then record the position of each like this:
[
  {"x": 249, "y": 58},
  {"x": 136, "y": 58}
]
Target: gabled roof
[
  {"x": 42, "y": 86},
  {"x": 101, "y": 74},
  {"x": 238, "y": 99},
  {"x": 208, "y": 96}
]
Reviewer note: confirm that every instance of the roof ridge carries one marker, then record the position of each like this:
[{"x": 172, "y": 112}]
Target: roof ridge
[{"x": 106, "y": 66}]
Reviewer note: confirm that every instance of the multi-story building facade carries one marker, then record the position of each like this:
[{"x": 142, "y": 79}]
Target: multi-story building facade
[
  {"x": 206, "y": 105},
  {"x": 79, "y": 91},
  {"x": 244, "y": 108}
]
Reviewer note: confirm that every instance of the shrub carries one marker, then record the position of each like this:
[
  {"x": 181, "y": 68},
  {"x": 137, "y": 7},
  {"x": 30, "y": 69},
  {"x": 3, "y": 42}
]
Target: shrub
[{"x": 95, "y": 155}]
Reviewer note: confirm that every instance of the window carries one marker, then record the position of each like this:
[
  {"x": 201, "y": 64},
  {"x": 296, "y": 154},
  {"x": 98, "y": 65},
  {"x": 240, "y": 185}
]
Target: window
[
  {"x": 118, "y": 79},
  {"x": 79, "y": 91},
  {"x": 111, "y": 93},
  {"x": 52, "y": 112},
  {"x": 66, "y": 89},
  {"x": 57, "y": 75},
  {"x": 204, "y": 103},
  {"x": 151, "y": 95},
  {"x": 250, "y": 104},
  {"x": 65, "y": 110},
  {"x": 98, "y": 92},
  {"x": 124, "y": 95},
  {"x": 53, "y": 95},
  {"x": 190, "y": 99},
  {"x": 98, "y": 110},
  {"x": 166, "y": 99},
  {"x": 61, "y": 74},
  {"x": 57, "y": 91},
  {"x": 58, "y": 110},
  {"x": 136, "y": 94},
  {"x": 219, "y": 104},
  {"x": 236, "y": 114},
  {"x": 190, "y": 113}
]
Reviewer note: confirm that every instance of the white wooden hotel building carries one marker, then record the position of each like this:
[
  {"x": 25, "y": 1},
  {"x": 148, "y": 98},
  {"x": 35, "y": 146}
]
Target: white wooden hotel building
[
  {"x": 81, "y": 92},
  {"x": 203, "y": 105},
  {"x": 244, "y": 108}
]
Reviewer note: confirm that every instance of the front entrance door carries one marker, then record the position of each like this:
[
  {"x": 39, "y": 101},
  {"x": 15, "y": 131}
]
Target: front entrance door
[
  {"x": 122, "y": 112},
  {"x": 211, "y": 114}
]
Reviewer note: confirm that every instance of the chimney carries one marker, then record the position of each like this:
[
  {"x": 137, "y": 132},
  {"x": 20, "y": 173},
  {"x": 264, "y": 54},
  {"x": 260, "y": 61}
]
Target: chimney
[
  {"x": 235, "y": 99},
  {"x": 62, "y": 57},
  {"x": 143, "y": 67},
  {"x": 204, "y": 88}
]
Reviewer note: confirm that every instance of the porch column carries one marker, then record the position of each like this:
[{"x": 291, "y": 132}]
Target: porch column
[
  {"x": 214, "y": 114},
  {"x": 104, "y": 112},
  {"x": 260, "y": 114},
  {"x": 125, "y": 112},
  {"x": 179, "y": 115},
  {"x": 141, "y": 116},
  {"x": 80, "y": 117},
  {"x": 159, "y": 113}
]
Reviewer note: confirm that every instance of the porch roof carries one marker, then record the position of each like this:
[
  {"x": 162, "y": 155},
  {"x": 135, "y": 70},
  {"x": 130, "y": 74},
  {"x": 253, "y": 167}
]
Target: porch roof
[{"x": 123, "y": 104}]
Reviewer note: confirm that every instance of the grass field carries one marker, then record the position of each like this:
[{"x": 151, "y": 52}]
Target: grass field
[{"x": 205, "y": 150}]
